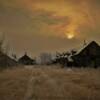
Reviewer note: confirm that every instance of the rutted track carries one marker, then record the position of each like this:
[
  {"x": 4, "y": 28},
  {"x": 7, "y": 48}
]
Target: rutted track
[{"x": 43, "y": 77}]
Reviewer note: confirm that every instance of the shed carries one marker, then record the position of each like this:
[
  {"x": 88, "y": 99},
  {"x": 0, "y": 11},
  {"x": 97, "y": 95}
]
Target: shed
[{"x": 26, "y": 60}]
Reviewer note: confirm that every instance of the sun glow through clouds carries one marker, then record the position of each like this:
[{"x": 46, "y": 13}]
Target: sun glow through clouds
[{"x": 70, "y": 36}]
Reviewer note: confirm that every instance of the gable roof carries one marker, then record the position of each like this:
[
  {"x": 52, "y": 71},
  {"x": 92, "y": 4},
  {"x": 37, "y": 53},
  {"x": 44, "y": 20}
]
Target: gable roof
[
  {"x": 90, "y": 46},
  {"x": 25, "y": 58}
]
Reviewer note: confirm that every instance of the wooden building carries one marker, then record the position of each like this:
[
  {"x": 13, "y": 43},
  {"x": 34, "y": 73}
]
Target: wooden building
[
  {"x": 6, "y": 61},
  {"x": 26, "y": 60},
  {"x": 89, "y": 55}
]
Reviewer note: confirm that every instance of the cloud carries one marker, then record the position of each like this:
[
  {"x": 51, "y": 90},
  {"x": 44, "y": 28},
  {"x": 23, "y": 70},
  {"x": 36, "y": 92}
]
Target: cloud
[
  {"x": 56, "y": 13},
  {"x": 36, "y": 22}
]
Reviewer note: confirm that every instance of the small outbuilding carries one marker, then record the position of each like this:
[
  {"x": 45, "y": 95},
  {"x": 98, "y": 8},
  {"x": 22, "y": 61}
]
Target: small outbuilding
[
  {"x": 6, "y": 61},
  {"x": 26, "y": 60}
]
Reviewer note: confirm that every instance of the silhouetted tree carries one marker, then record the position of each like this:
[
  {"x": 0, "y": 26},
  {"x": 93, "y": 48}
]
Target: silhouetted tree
[{"x": 61, "y": 58}]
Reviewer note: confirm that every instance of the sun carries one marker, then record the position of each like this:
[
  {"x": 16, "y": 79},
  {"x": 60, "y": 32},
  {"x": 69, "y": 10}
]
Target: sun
[{"x": 70, "y": 36}]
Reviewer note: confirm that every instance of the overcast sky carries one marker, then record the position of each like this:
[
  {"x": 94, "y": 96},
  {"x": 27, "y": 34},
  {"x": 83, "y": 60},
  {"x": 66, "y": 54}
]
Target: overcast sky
[{"x": 36, "y": 26}]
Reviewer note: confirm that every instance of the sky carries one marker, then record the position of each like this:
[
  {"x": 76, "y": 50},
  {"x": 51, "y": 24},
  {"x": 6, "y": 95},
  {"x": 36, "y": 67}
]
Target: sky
[{"x": 36, "y": 26}]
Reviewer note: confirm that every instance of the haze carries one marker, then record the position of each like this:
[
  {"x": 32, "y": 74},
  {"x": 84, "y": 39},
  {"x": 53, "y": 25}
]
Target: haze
[{"x": 36, "y": 26}]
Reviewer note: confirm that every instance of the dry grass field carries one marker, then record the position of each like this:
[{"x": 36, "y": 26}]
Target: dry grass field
[{"x": 36, "y": 83}]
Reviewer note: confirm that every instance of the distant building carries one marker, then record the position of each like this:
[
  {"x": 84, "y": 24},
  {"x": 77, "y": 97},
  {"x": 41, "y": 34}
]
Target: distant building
[
  {"x": 6, "y": 61},
  {"x": 26, "y": 60},
  {"x": 89, "y": 55}
]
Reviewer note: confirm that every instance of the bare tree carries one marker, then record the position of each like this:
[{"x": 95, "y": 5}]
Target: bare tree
[
  {"x": 14, "y": 56},
  {"x": 46, "y": 58}
]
